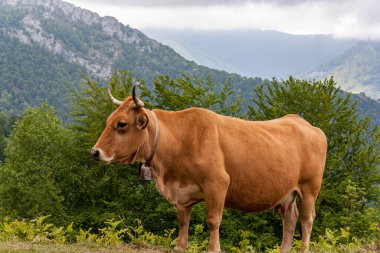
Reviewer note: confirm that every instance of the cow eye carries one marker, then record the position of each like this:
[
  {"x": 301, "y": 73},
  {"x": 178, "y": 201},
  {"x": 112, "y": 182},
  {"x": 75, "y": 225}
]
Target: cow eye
[{"x": 121, "y": 125}]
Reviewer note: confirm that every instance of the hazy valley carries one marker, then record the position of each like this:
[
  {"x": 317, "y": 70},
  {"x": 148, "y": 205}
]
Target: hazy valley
[{"x": 354, "y": 64}]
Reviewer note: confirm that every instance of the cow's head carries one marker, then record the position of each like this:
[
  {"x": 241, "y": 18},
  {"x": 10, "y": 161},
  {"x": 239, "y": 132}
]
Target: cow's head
[{"x": 123, "y": 139}]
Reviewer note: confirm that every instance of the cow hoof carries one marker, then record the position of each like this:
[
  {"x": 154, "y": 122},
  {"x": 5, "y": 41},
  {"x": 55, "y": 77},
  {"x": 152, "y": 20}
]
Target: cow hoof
[{"x": 179, "y": 250}]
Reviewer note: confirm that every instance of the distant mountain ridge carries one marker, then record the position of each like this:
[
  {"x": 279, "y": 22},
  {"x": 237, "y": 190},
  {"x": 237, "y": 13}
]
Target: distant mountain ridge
[
  {"x": 92, "y": 44},
  {"x": 253, "y": 52},
  {"x": 357, "y": 69},
  {"x": 354, "y": 64}
]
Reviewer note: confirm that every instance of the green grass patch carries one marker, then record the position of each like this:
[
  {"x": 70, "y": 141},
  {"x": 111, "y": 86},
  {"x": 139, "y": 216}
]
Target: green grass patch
[{"x": 39, "y": 236}]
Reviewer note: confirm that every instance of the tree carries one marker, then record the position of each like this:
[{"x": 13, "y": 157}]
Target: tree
[
  {"x": 186, "y": 92},
  {"x": 350, "y": 192},
  {"x": 6, "y": 123},
  {"x": 32, "y": 176}
]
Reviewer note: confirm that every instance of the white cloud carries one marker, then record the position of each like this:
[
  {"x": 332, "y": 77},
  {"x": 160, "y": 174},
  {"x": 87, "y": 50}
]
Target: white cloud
[
  {"x": 176, "y": 3},
  {"x": 351, "y": 19}
]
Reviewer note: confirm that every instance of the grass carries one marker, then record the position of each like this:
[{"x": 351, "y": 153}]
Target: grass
[{"x": 28, "y": 247}]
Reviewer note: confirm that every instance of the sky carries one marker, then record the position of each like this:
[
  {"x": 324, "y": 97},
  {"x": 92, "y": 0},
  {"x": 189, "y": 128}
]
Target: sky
[{"x": 358, "y": 19}]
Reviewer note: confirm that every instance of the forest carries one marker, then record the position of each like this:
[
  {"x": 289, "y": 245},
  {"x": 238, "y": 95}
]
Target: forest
[{"x": 46, "y": 169}]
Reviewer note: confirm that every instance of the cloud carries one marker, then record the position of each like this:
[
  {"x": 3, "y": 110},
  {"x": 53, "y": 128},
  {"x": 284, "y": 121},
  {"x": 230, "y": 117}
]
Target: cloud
[
  {"x": 342, "y": 18},
  {"x": 178, "y": 3}
]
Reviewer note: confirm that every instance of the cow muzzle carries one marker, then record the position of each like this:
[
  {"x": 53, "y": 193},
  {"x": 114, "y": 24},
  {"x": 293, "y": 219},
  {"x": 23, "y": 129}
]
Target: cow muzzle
[
  {"x": 98, "y": 155},
  {"x": 95, "y": 154}
]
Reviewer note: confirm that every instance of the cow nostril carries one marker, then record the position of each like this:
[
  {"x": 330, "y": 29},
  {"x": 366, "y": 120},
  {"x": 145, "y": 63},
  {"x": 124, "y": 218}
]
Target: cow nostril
[{"x": 95, "y": 154}]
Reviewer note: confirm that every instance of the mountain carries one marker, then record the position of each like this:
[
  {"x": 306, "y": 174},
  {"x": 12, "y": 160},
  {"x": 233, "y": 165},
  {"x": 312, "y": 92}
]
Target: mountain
[
  {"x": 367, "y": 106},
  {"x": 47, "y": 44},
  {"x": 253, "y": 52},
  {"x": 355, "y": 64},
  {"x": 357, "y": 69},
  {"x": 30, "y": 74}
]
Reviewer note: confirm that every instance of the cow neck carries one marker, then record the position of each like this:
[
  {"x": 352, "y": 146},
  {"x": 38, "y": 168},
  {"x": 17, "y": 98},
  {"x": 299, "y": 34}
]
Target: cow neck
[{"x": 150, "y": 158}]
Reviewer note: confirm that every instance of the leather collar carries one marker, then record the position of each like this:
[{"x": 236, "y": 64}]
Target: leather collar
[{"x": 150, "y": 158}]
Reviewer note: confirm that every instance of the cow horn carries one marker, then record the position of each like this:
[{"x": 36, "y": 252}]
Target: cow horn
[
  {"x": 113, "y": 99},
  {"x": 137, "y": 101}
]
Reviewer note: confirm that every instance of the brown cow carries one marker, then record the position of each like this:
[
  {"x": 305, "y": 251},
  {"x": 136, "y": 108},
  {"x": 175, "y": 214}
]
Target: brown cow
[{"x": 199, "y": 155}]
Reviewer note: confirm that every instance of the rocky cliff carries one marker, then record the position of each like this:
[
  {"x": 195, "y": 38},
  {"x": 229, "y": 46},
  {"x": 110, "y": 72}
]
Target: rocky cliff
[{"x": 96, "y": 60}]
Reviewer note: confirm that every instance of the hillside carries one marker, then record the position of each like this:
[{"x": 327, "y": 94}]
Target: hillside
[
  {"x": 356, "y": 69},
  {"x": 47, "y": 44},
  {"x": 31, "y": 74}
]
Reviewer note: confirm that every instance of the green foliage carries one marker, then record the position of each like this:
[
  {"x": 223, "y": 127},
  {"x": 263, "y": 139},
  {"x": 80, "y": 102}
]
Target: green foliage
[
  {"x": 6, "y": 124},
  {"x": 334, "y": 241},
  {"x": 199, "y": 241},
  {"x": 265, "y": 230},
  {"x": 39, "y": 231},
  {"x": 110, "y": 234},
  {"x": 11, "y": 15},
  {"x": 244, "y": 244},
  {"x": 36, "y": 231},
  {"x": 350, "y": 193},
  {"x": 138, "y": 236},
  {"x": 34, "y": 176},
  {"x": 186, "y": 92}
]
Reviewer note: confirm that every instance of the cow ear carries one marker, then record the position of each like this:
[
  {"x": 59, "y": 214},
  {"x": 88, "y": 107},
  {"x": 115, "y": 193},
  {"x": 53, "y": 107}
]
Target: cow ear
[{"x": 142, "y": 120}]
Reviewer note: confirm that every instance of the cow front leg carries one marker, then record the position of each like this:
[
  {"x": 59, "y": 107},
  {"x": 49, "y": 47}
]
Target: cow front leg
[
  {"x": 215, "y": 197},
  {"x": 183, "y": 216}
]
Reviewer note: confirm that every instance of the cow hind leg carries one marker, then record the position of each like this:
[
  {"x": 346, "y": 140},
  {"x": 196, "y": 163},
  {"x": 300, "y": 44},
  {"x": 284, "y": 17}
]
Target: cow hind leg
[
  {"x": 307, "y": 216},
  {"x": 307, "y": 219},
  {"x": 289, "y": 213}
]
